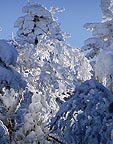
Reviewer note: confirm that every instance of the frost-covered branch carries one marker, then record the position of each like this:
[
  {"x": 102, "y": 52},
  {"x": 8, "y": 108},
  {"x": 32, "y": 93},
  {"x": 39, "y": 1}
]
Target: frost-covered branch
[{"x": 86, "y": 117}]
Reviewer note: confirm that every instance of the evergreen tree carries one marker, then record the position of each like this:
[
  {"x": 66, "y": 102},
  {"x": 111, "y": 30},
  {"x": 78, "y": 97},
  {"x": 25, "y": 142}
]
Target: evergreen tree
[
  {"x": 99, "y": 48},
  {"x": 11, "y": 89},
  {"x": 51, "y": 68}
]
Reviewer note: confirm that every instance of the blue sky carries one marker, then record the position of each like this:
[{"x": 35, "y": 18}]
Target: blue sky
[{"x": 76, "y": 14}]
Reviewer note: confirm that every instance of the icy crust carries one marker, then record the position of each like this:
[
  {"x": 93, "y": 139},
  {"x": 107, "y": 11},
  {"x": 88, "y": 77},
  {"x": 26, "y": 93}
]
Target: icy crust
[
  {"x": 86, "y": 117},
  {"x": 8, "y": 54},
  {"x": 37, "y": 24}
]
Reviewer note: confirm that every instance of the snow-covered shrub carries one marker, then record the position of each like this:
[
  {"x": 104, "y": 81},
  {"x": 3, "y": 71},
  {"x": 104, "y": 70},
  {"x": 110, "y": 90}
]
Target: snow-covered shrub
[
  {"x": 86, "y": 117},
  {"x": 37, "y": 24}
]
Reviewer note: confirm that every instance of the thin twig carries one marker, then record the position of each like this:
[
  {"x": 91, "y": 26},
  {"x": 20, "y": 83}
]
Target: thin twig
[{"x": 55, "y": 139}]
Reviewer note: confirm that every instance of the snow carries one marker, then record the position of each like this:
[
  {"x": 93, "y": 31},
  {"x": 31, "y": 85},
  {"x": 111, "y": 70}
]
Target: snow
[
  {"x": 51, "y": 68},
  {"x": 101, "y": 30},
  {"x": 98, "y": 49},
  {"x": 85, "y": 116},
  {"x": 106, "y": 9},
  {"x": 8, "y": 76},
  {"x": 37, "y": 9},
  {"x": 104, "y": 67},
  {"x": 90, "y": 26},
  {"x": 92, "y": 47},
  {"x": 19, "y": 22},
  {"x": 11, "y": 78},
  {"x": 37, "y": 24},
  {"x": 8, "y": 54},
  {"x": 53, "y": 72},
  {"x": 3, "y": 133}
]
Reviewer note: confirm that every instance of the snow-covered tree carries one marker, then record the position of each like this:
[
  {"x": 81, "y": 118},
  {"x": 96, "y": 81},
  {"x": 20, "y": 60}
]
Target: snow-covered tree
[
  {"x": 99, "y": 48},
  {"x": 11, "y": 88},
  {"x": 102, "y": 32},
  {"x": 105, "y": 58},
  {"x": 86, "y": 117},
  {"x": 51, "y": 68},
  {"x": 38, "y": 23},
  {"x": 52, "y": 73},
  {"x": 104, "y": 67}
]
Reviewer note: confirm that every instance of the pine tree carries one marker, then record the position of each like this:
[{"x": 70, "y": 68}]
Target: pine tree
[{"x": 51, "y": 68}]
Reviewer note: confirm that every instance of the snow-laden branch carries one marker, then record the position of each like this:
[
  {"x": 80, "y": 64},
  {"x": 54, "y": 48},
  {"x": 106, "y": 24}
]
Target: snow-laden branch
[{"x": 86, "y": 117}]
